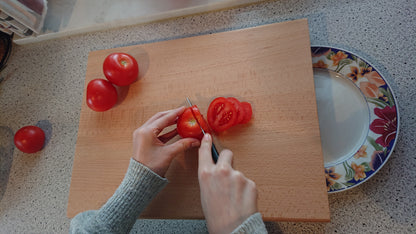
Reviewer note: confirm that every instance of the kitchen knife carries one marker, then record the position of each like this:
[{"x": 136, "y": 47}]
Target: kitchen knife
[{"x": 214, "y": 150}]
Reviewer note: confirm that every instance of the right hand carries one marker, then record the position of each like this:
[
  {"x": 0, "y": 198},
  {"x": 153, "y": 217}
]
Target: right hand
[{"x": 228, "y": 198}]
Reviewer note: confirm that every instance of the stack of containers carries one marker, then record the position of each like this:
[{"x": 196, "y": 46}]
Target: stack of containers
[{"x": 22, "y": 17}]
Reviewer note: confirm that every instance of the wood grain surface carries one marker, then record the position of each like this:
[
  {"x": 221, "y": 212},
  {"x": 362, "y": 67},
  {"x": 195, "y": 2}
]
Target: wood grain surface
[{"x": 280, "y": 149}]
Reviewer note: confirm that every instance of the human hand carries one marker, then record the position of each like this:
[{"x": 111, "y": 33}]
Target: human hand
[
  {"x": 151, "y": 150},
  {"x": 228, "y": 198}
]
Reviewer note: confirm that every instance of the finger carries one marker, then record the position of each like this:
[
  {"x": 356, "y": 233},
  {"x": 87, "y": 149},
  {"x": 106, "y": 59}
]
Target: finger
[
  {"x": 205, "y": 155},
  {"x": 181, "y": 146},
  {"x": 168, "y": 136},
  {"x": 156, "y": 116},
  {"x": 160, "y": 115},
  {"x": 251, "y": 193},
  {"x": 167, "y": 119},
  {"x": 225, "y": 157}
]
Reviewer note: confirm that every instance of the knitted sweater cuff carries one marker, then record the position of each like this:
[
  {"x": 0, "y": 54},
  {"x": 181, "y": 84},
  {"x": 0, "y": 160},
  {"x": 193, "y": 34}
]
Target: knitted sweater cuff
[
  {"x": 254, "y": 224},
  {"x": 140, "y": 185}
]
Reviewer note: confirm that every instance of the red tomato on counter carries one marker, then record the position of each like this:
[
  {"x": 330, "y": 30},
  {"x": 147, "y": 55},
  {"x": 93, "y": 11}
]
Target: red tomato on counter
[
  {"x": 221, "y": 114},
  {"x": 29, "y": 139},
  {"x": 188, "y": 126},
  {"x": 121, "y": 69},
  {"x": 101, "y": 95}
]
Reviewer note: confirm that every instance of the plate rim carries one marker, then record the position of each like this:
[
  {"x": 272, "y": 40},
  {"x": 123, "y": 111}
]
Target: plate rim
[{"x": 397, "y": 114}]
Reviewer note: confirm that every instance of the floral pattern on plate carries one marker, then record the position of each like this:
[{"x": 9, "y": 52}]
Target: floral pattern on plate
[{"x": 384, "y": 123}]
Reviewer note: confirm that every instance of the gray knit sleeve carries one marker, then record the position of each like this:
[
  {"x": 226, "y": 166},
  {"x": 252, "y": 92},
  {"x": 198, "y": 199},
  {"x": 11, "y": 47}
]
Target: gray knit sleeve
[
  {"x": 253, "y": 225},
  {"x": 139, "y": 186}
]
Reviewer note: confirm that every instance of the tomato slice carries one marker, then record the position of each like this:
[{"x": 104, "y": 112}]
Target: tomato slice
[
  {"x": 248, "y": 112},
  {"x": 200, "y": 119},
  {"x": 221, "y": 114},
  {"x": 238, "y": 108}
]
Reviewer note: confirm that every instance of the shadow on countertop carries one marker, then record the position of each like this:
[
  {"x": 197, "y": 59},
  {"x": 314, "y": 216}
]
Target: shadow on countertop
[{"x": 6, "y": 156}]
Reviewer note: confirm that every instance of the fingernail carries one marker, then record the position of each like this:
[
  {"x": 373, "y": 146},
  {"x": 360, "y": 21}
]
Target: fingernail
[
  {"x": 195, "y": 144},
  {"x": 207, "y": 136}
]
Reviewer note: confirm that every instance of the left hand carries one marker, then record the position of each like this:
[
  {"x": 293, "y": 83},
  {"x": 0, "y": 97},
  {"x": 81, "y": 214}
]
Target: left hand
[{"x": 151, "y": 150}]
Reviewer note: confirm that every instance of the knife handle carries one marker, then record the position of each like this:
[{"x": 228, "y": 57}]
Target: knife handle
[{"x": 214, "y": 152}]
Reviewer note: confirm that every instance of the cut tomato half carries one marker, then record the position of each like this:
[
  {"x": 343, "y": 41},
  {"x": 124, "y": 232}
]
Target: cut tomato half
[{"x": 221, "y": 114}]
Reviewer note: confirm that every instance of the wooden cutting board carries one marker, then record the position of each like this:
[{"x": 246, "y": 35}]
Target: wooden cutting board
[{"x": 269, "y": 66}]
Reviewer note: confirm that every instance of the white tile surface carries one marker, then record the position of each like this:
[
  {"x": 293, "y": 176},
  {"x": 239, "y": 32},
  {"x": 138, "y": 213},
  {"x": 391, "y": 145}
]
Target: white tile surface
[{"x": 69, "y": 17}]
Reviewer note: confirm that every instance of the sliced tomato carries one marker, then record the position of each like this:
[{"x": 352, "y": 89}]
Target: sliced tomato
[
  {"x": 248, "y": 112},
  {"x": 221, "y": 114},
  {"x": 238, "y": 108},
  {"x": 188, "y": 123}
]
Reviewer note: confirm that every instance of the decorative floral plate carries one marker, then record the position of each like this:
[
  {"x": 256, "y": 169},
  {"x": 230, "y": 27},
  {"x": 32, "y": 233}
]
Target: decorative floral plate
[{"x": 358, "y": 117}]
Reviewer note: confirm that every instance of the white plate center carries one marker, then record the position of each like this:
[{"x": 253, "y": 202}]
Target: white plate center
[{"x": 343, "y": 116}]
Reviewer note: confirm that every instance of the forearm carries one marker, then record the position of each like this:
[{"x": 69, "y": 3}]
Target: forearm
[{"x": 118, "y": 215}]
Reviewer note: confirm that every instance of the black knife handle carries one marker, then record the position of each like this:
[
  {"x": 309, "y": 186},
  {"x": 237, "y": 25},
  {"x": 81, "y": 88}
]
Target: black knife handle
[{"x": 214, "y": 152}]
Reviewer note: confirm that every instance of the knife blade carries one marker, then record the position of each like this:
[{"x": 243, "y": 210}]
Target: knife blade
[{"x": 214, "y": 150}]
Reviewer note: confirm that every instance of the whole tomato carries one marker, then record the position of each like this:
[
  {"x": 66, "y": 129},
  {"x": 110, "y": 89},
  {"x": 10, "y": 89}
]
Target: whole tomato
[
  {"x": 29, "y": 139},
  {"x": 121, "y": 69},
  {"x": 101, "y": 95}
]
